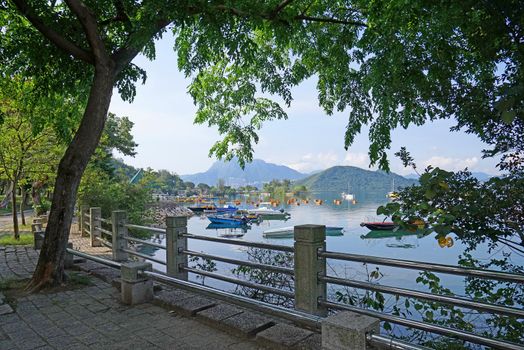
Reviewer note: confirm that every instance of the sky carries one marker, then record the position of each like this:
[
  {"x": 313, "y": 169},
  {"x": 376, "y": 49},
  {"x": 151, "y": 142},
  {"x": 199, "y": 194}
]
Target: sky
[{"x": 309, "y": 140}]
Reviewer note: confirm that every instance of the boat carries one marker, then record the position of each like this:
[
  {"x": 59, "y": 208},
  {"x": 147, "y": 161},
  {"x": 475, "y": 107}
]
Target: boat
[
  {"x": 392, "y": 194},
  {"x": 348, "y": 196},
  {"x": 288, "y": 232},
  {"x": 378, "y": 234},
  {"x": 379, "y": 225},
  {"x": 226, "y": 209},
  {"x": 198, "y": 209},
  {"x": 222, "y": 219},
  {"x": 229, "y": 230},
  {"x": 266, "y": 211}
]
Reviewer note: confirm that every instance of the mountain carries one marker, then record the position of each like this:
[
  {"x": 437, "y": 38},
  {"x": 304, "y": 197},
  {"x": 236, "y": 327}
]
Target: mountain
[
  {"x": 481, "y": 176},
  {"x": 255, "y": 173},
  {"x": 363, "y": 183}
]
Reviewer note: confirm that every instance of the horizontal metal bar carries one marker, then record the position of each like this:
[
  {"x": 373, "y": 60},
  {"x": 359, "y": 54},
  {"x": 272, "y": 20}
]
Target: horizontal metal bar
[
  {"x": 141, "y": 241},
  {"x": 105, "y": 221},
  {"x": 146, "y": 228},
  {"x": 382, "y": 341},
  {"x": 452, "y": 300},
  {"x": 282, "y": 248},
  {"x": 144, "y": 256},
  {"x": 87, "y": 224},
  {"x": 289, "y": 314},
  {"x": 279, "y": 269},
  {"x": 449, "y": 332},
  {"x": 217, "y": 276},
  {"x": 418, "y": 265},
  {"x": 86, "y": 215},
  {"x": 104, "y": 242},
  {"x": 97, "y": 259},
  {"x": 107, "y": 232},
  {"x": 87, "y": 231}
]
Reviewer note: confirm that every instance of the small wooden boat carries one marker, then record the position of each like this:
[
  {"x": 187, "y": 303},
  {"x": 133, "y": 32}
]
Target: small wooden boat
[{"x": 379, "y": 225}]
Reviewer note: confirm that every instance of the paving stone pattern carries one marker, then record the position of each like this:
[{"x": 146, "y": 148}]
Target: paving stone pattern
[{"x": 93, "y": 318}]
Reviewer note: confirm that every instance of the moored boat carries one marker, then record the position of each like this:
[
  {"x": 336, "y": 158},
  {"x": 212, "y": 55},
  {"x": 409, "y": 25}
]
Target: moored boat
[
  {"x": 220, "y": 219},
  {"x": 266, "y": 211},
  {"x": 287, "y": 232},
  {"x": 379, "y": 225},
  {"x": 226, "y": 209},
  {"x": 197, "y": 209}
]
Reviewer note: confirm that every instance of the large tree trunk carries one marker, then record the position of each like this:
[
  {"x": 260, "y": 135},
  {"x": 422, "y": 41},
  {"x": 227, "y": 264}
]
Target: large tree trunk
[
  {"x": 16, "y": 232},
  {"x": 50, "y": 268}
]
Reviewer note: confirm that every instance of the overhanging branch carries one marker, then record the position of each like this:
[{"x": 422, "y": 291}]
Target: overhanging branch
[{"x": 61, "y": 42}]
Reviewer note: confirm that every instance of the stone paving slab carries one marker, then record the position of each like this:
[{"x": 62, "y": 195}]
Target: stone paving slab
[
  {"x": 92, "y": 317},
  {"x": 283, "y": 336}
]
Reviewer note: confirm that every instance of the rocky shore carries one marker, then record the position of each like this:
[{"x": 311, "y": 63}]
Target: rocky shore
[{"x": 161, "y": 210}]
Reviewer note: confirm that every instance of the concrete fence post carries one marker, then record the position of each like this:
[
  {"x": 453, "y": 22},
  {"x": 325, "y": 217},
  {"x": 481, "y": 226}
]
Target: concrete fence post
[
  {"x": 82, "y": 220},
  {"x": 119, "y": 243},
  {"x": 309, "y": 239},
  {"x": 38, "y": 233},
  {"x": 68, "y": 261},
  {"x": 136, "y": 288},
  {"x": 347, "y": 330},
  {"x": 175, "y": 244},
  {"x": 94, "y": 226}
]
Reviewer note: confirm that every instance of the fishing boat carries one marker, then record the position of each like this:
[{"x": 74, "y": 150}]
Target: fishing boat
[
  {"x": 379, "y": 225},
  {"x": 222, "y": 219},
  {"x": 287, "y": 232}
]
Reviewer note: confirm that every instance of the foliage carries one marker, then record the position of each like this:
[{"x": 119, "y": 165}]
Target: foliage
[
  {"x": 265, "y": 277},
  {"x": 25, "y": 239}
]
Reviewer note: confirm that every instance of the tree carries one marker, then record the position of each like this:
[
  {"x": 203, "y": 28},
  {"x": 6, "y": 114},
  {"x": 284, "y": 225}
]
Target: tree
[
  {"x": 27, "y": 151},
  {"x": 391, "y": 63}
]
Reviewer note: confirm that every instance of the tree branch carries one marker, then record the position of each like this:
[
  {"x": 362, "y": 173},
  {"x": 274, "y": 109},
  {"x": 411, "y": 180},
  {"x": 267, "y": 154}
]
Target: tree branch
[
  {"x": 88, "y": 22},
  {"x": 280, "y": 7},
  {"x": 58, "y": 40},
  {"x": 330, "y": 20}
]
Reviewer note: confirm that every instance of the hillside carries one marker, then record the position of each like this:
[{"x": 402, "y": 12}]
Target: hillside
[
  {"x": 361, "y": 182},
  {"x": 255, "y": 173}
]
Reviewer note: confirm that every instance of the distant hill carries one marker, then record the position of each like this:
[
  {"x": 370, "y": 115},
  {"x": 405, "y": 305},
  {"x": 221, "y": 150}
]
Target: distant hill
[
  {"x": 255, "y": 173},
  {"x": 361, "y": 182}
]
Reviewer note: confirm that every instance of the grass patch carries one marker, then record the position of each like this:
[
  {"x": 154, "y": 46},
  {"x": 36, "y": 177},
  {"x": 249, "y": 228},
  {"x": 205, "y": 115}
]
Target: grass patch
[
  {"x": 25, "y": 239},
  {"x": 78, "y": 279}
]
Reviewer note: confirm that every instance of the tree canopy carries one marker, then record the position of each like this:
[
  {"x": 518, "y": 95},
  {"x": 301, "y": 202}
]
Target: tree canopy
[{"x": 387, "y": 63}]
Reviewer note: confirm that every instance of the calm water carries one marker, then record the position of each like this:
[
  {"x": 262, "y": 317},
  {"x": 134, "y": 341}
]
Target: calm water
[{"x": 349, "y": 216}]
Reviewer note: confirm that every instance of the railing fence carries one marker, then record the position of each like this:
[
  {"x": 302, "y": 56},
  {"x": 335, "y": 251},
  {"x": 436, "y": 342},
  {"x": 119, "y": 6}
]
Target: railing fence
[{"x": 309, "y": 272}]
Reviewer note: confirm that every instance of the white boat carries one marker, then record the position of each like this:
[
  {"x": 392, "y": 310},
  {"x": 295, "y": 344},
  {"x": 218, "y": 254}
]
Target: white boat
[
  {"x": 287, "y": 232},
  {"x": 265, "y": 211},
  {"x": 348, "y": 196}
]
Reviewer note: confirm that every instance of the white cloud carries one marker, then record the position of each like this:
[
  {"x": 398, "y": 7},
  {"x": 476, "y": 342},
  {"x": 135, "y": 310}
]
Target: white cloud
[
  {"x": 358, "y": 159},
  {"x": 453, "y": 164},
  {"x": 314, "y": 161}
]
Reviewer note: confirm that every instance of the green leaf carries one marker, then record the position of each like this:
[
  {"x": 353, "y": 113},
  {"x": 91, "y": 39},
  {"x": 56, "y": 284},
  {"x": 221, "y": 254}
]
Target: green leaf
[{"x": 508, "y": 116}]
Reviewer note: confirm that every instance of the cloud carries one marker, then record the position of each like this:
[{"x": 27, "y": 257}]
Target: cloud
[
  {"x": 315, "y": 161},
  {"x": 358, "y": 159},
  {"x": 453, "y": 164}
]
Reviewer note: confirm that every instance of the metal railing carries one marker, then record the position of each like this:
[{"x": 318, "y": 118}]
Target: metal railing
[{"x": 313, "y": 272}]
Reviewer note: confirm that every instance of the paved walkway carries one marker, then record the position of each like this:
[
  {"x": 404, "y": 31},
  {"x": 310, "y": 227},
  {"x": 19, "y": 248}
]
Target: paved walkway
[{"x": 92, "y": 317}]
